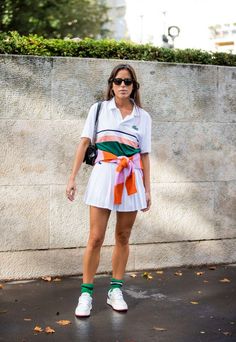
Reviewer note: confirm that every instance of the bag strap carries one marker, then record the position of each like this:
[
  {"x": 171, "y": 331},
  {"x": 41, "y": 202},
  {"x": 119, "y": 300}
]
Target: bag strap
[{"x": 96, "y": 121}]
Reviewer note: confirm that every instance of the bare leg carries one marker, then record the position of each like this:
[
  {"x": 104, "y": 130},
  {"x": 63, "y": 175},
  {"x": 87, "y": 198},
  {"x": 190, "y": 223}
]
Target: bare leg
[
  {"x": 98, "y": 223},
  {"x": 124, "y": 224}
]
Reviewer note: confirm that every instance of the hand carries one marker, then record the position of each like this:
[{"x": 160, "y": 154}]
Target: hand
[
  {"x": 71, "y": 189},
  {"x": 148, "y": 199}
]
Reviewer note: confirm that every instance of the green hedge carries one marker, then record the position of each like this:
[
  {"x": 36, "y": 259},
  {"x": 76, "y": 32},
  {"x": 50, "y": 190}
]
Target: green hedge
[{"x": 13, "y": 43}]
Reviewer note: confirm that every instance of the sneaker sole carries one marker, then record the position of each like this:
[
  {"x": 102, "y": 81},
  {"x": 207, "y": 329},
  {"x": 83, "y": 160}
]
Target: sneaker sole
[
  {"x": 121, "y": 310},
  {"x": 83, "y": 315}
]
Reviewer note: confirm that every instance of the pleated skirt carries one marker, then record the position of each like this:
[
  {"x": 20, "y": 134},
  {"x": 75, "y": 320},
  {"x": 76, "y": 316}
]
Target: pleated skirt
[{"x": 100, "y": 189}]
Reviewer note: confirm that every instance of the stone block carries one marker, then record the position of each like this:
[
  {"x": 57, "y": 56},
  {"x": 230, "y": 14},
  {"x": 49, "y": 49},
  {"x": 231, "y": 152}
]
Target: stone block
[
  {"x": 184, "y": 253},
  {"x": 26, "y": 86},
  {"x": 66, "y": 262},
  {"x": 178, "y": 92},
  {"x": 225, "y": 209},
  {"x": 24, "y": 217},
  {"x": 179, "y": 212},
  {"x": 226, "y": 94},
  {"x": 38, "y": 152},
  {"x": 193, "y": 152}
]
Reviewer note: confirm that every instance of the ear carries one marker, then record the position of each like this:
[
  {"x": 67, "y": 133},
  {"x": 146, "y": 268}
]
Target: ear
[{"x": 137, "y": 85}]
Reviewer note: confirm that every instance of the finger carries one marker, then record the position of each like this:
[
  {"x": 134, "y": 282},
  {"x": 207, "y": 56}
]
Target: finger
[{"x": 71, "y": 198}]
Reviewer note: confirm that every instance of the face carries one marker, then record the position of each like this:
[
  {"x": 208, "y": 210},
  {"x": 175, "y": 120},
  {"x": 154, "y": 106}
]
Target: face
[{"x": 122, "y": 91}]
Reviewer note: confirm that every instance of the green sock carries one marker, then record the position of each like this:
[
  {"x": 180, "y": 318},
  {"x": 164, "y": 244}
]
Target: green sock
[
  {"x": 116, "y": 283},
  {"x": 86, "y": 287}
]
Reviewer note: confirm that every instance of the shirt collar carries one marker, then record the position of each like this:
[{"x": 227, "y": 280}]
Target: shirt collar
[{"x": 112, "y": 105}]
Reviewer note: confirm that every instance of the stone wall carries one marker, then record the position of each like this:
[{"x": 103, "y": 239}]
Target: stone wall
[{"x": 43, "y": 105}]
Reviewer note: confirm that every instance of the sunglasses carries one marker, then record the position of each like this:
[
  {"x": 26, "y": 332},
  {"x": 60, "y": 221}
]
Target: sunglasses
[{"x": 127, "y": 81}]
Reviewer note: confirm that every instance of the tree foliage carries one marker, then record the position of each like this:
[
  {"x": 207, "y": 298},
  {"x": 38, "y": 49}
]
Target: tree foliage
[{"x": 54, "y": 18}]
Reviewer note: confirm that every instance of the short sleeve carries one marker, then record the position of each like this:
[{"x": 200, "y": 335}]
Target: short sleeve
[
  {"x": 145, "y": 145},
  {"x": 88, "y": 129}
]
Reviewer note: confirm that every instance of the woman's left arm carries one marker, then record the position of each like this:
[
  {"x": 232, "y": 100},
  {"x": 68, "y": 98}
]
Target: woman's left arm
[{"x": 146, "y": 178}]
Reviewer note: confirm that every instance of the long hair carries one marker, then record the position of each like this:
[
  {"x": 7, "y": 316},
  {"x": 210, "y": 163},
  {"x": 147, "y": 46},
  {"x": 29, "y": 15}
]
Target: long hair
[{"x": 135, "y": 92}]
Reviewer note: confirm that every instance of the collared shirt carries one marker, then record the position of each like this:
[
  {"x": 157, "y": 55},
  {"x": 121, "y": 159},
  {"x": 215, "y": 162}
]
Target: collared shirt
[{"x": 127, "y": 136}]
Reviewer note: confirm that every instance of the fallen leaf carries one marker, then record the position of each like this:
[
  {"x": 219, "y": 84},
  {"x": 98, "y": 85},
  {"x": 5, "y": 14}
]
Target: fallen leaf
[
  {"x": 38, "y": 329},
  {"x": 202, "y": 332},
  {"x": 159, "y": 272},
  {"x": 49, "y": 330},
  {"x": 133, "y": 275},
  {"x": 27, "y": 319},
  {"x": 205, "y": 281},
  {"x": 194, "y": 302},
  {"x": 159, "y": 329},
  {"x": 199, "y": 291},
  {"x": 46, "y": 278},
  {"x": 3, "y": 311},
  {"x": 199, "y": 273},
  {"x": 64, "y": 322},
  {"x": 1, "y": 286},
  {"x": 178, "y": 273},
  {"x": 226, "y": 333},
  {"x": 225, "y": 280},
  {"x": 57, "y": 279},
  {"x": 232, "y": 322},
  {"x": 147, "y": 275},
  {"x": 212, "y": 267}
]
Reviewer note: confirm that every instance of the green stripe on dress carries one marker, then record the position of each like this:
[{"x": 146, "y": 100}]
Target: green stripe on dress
[{"x": 117, "y": 148}]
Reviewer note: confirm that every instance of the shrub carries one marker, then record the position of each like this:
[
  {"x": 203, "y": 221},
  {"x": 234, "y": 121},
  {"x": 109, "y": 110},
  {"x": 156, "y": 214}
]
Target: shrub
[{"x": 13, "y": 43}]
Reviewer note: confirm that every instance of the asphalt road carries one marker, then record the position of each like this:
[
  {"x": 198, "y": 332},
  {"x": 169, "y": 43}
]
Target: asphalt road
[{"x": 179, "y": 305}]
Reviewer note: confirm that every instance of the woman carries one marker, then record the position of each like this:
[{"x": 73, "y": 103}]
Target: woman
[{"x": 120, "y": 179}]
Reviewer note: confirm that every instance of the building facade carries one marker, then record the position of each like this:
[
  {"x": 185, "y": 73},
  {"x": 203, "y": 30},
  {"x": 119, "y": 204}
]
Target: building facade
[
  {"x": 223, "y": 37},
  {"x": 117, "y": 23}
]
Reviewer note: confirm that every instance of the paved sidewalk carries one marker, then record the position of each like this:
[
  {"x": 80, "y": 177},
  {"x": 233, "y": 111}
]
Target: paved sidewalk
[{"x": 163, "y": 302}]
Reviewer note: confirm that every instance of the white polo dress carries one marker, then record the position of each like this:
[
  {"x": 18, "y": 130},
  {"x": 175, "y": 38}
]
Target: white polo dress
[{"x": 133, "y": 133}]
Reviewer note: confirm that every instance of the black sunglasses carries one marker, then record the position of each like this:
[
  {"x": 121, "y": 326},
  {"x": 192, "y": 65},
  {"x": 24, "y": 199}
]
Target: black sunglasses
[{"x": 127, "y": 81}]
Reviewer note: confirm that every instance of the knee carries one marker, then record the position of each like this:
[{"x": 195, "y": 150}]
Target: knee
[
  {"x": 123, "y": 237},
  {"x": 95, "y": 241}
]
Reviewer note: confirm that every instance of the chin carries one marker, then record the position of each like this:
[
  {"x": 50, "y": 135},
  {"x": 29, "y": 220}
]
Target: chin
[{"x": 123, "y": 96}]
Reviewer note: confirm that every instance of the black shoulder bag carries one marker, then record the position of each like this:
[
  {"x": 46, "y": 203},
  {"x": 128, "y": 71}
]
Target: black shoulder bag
[{"x": 91, "y": 152}]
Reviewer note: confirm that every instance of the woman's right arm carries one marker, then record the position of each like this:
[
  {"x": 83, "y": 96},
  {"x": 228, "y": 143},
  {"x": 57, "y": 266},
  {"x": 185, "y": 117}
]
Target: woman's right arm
[{"x": 78, "y": 160}]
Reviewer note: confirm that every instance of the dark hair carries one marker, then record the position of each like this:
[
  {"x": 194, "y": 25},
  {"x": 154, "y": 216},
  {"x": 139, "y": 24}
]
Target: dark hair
[{"x": 135, "y": 92}]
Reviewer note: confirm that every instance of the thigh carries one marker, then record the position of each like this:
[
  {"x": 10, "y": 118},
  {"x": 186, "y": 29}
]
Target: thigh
[
  {"x": 125, "y": 220},
  {"x": 98, "y": 221}
]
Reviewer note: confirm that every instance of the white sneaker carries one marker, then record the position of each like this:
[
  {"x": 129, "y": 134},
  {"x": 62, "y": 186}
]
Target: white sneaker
[
  {"x": 116, "y": 300},
  {"x": 84, "y": 305}
]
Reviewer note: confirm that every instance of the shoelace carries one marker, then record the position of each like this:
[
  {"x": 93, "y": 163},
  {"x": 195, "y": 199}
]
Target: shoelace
[
  {"x": 84, "y": 300},
  {"x": 118, "y": 294}
]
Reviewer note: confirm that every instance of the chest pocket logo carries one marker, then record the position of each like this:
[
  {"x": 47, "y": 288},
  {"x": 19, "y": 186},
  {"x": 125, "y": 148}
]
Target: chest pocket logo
[{"x": 135, "y": 127}]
